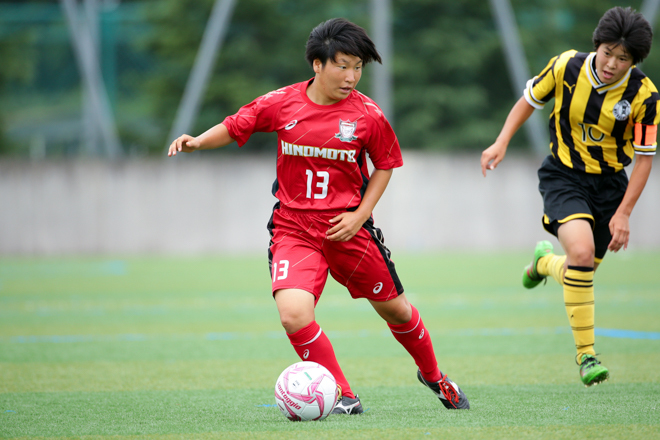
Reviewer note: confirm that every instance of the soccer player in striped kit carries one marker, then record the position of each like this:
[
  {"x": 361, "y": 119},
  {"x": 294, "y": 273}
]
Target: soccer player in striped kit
[
  {"x": 322, "y": 222},
  {"x": 605, "y": 113}
]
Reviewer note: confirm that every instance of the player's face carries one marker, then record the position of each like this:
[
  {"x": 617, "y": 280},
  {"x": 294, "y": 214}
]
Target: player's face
[
  {"x": 612, "y": 62},
  {"x": 337, "y": 79}
]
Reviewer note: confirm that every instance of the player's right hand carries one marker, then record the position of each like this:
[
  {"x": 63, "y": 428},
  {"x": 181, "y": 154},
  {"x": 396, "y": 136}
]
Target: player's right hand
[
  {"x": 492, "y": 156},
  {"x": 184, "y": 143}
]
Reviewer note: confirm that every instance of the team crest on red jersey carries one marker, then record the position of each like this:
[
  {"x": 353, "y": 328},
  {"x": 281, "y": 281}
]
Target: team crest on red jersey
[{"x": 346, "y": 130}]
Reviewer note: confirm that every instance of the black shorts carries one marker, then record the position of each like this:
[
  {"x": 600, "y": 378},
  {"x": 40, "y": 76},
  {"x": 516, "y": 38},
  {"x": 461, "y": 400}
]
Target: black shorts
[{"x": 569, "y": 194}]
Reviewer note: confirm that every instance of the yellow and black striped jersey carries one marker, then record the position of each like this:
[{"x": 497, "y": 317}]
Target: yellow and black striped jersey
[{"x": 596, "y": 127}]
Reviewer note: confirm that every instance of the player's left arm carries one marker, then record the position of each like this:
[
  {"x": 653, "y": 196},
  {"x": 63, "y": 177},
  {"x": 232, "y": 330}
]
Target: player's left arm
[
  {"x": 619, "y": 224},
  {"x": 347, "y": 224}
]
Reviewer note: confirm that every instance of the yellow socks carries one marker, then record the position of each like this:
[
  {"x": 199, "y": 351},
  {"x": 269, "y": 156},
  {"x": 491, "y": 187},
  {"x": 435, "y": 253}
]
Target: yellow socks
[
  {"x": 579, "y": 301},
  {"x": 578, "y": 285},
  {"x": 552, "y": 265}
]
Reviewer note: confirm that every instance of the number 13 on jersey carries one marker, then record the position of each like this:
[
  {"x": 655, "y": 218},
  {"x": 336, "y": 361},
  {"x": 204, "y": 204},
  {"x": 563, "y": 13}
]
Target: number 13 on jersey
[{"x": 322, "y": 179}]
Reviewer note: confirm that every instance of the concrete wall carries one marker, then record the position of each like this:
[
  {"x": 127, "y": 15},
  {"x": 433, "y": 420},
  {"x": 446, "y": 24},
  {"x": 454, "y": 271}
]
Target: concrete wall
[{"x": 221, "y": 203}]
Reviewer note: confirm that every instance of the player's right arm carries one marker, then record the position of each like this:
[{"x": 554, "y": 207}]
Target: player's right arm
[
  {"x": 215, "y": 137},
  {"x": 494, "y": 154}
]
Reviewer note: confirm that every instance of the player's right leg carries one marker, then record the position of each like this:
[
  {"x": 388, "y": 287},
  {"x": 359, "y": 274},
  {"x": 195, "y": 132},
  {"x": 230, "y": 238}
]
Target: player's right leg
[
  {"x": 296, "y": 309},
  {"x": 299, "y": 272},
  {"x": 576, "y": 237}
]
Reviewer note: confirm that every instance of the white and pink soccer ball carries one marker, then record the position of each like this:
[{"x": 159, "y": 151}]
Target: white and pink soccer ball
[{"x": 306, "y": 391}]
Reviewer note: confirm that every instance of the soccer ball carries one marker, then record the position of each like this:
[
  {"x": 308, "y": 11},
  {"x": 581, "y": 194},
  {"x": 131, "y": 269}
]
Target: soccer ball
[{"x": 306, "y": 391}]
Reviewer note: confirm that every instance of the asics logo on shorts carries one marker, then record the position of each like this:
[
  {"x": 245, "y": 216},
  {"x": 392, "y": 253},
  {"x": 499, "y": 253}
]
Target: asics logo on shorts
[
  {"x": 378, "y": 287},
  {"x": 421, "y": 335},
  {"x": 306, "y": 354}
]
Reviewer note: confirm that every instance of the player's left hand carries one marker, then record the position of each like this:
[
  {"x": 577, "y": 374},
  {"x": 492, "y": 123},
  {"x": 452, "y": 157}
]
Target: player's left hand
[
  {"x": 347, "y": 225},
  {"x": 620, "y": 230}
]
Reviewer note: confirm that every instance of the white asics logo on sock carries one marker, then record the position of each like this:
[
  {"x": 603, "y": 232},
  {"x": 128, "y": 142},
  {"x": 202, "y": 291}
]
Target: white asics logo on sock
[
  {"x": 306, "y": 354},
  {"x": 421, "y": 335}
]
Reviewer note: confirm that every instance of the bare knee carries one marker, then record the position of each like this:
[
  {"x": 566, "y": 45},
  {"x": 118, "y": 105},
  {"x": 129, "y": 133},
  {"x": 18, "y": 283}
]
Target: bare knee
[
  {"x": 292, "y": 320},
  {"x": 581, "y": 256},
  {"x": 296, "y": 309},
  {"x": 399, "y": 316},
  {"x": 576, "y": 237},
  {"x": 396, "y": 311}
]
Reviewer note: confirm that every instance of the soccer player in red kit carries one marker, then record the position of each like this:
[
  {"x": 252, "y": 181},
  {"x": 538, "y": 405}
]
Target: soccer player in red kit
[{"x": 322, "y": 222}]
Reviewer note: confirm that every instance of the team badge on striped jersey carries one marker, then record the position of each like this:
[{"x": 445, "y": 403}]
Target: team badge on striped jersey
[
  {"x": 346, "y": 130},
  {"x": 621, "y": 110}
]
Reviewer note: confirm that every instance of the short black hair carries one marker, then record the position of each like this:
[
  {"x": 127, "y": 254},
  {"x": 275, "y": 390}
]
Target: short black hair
[
  {"x": 625, "y": 27},
  {"x": 340, "y": 35}
]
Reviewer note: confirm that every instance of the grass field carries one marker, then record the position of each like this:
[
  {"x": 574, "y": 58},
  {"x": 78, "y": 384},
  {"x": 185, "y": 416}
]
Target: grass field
[{"x": 189, "y": 348}]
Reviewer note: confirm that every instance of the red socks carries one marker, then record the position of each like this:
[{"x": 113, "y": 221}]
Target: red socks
[
  {"x": 313, "y": 345},
  {"x": 416, "y": 339}
]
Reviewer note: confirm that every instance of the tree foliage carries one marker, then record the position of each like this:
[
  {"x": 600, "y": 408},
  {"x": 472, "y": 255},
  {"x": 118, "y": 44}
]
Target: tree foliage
[{"x": 452, "y": 89}]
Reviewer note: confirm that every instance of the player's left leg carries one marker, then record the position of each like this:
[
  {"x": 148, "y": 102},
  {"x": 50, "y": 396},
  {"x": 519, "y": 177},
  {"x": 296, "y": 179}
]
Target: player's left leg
[
  {"x": 554, "y": 265},
  {"x": 363, "y": 265},
  {"x": 407, "y": 326},
  {"x": 544, "y": 263},
  {"x": 577, "y": 239}
]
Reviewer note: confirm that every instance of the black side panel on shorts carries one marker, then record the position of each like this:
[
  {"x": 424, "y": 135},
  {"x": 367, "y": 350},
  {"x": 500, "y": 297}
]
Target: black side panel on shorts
[
  {"x": 270, "y": 227},
  {"x": 379, "y": 239},
  {"x": 276, "y": 186}
]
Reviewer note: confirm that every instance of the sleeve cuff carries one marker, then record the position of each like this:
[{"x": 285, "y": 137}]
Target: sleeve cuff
[{"x": 529, "y": 95}]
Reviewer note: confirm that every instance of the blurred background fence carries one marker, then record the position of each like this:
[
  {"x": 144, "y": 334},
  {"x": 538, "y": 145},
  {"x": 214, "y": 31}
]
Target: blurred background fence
[{"x": 91, "y": 91}]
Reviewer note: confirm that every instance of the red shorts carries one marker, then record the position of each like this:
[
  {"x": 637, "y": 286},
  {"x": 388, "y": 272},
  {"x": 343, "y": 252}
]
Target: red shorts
[{"x": 300, "y": 256}]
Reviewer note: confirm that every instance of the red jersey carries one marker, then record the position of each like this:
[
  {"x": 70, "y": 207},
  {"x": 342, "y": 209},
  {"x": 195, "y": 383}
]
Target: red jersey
[{"x": 321, "y": 162}]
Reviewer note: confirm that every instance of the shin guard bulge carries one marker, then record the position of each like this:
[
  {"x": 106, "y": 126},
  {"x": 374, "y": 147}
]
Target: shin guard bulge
[
  {"x": 313, "y": 345},
  {"x": 416, "y": 340},
  {"x": 552, "y": 265},
  {"x": 579, "y": 301}
]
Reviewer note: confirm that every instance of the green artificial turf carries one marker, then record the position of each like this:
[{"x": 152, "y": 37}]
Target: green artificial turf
[{"x": 190, "y": 348}]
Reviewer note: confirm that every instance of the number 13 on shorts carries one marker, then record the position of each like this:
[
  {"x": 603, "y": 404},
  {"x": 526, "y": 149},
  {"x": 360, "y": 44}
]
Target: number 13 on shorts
[{"x": 283, "y": 268}]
